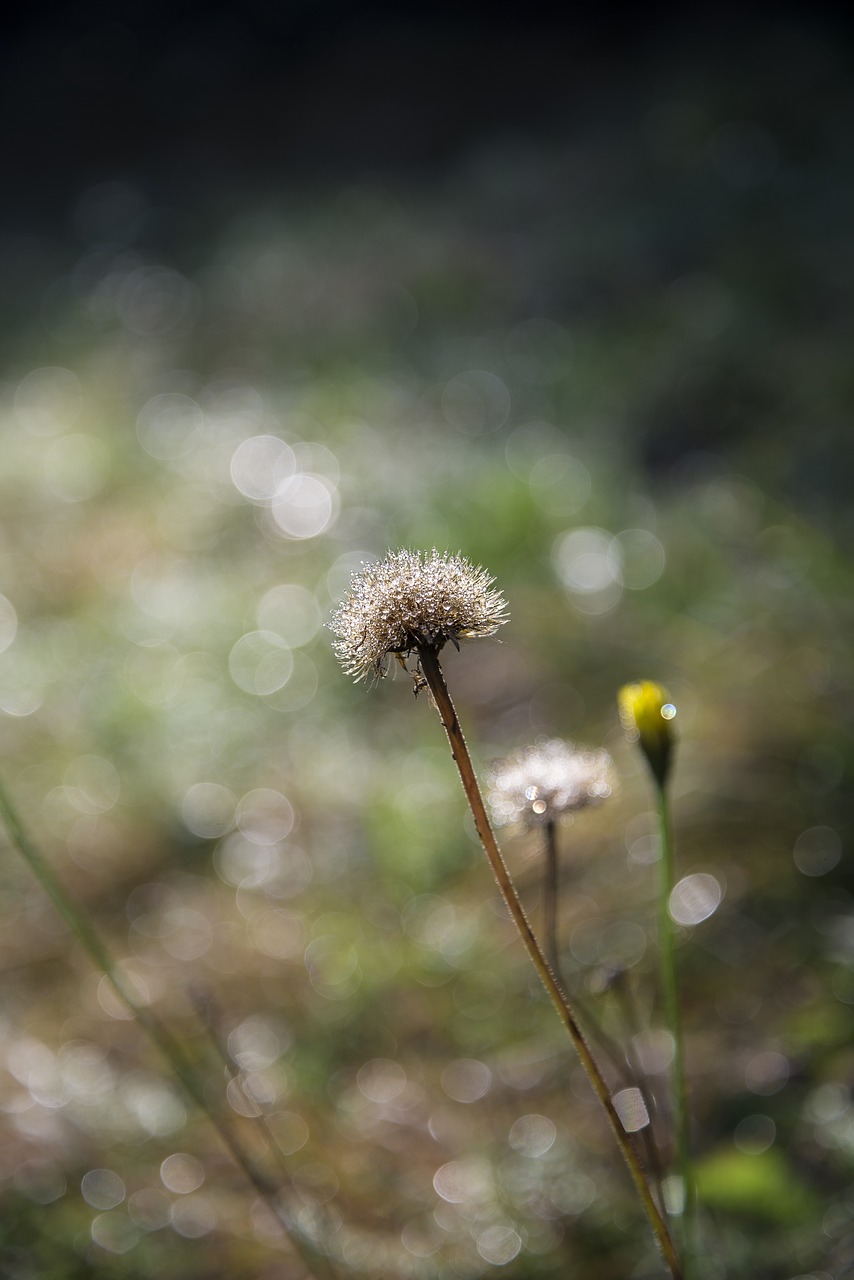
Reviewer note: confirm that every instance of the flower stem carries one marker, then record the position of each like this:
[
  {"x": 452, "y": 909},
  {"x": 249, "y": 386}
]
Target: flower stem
[
  {"x": 168, "y": 1044},
  {"x": 670, "y": 993},
  {"x": 432, "y": 673},
  {"x": 550, "y": 897}
]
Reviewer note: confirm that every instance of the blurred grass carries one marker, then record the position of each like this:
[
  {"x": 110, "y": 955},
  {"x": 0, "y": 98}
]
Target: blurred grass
[{"x": 645, "y": 335}]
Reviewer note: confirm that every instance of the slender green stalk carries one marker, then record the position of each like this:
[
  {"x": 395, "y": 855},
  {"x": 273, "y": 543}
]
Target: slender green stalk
[
  {"x": 170, "y": 1047},
  {"x": 432, "y": 673},
  {"x": 208, "y": 1014},
  {"x": 670, "y": 991}
]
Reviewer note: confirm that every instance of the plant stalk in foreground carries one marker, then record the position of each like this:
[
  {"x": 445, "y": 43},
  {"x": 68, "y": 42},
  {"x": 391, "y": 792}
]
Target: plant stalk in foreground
[
  {"x": 169, "y": 1046},
  {"x": 551, "y": 896},
  {"x": 647, "y": 715},
  {"x": 417, "y": 602},
  {"x": 434, "y": 677}
]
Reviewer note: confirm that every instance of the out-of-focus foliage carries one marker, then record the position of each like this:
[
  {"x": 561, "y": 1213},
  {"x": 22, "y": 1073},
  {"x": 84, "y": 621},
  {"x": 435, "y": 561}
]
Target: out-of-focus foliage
[{"x": 615, "y": 372}]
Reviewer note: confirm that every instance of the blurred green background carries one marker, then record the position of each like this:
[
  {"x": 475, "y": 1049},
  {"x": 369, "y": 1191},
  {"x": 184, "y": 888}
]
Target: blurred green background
[{"x": 287, "y": 289}]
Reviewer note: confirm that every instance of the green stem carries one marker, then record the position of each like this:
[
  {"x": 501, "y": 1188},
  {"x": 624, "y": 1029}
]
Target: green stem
[
  {"x": 170, "y": 1047},
  {"x": 208, "y": 1015},
  {"x": 670, "y": 992},
  {"x": 432, "y": 672}
]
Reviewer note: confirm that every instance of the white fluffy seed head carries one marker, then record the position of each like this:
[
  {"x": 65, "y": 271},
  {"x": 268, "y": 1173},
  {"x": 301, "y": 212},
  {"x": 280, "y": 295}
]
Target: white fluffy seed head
[
  {"x": 547, "y": 781},
  {"x": 412, "y": 599}
]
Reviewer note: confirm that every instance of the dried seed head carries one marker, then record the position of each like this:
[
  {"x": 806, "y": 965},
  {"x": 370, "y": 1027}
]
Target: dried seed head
[
  {"x": 647, "y": 715},
  {"x": 412, "y": 599},
  {"x": 546, "y": 781}
]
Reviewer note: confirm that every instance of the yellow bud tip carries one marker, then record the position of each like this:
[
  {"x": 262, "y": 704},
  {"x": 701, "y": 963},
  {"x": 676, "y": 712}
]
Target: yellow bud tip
[{"x": 647, "y": 715}]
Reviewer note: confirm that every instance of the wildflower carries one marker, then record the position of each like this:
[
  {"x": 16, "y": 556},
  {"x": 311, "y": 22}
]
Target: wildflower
[
  {"x": 647, "y": 715},
  {"x": 412, "y": 600},
  {"x": 546, "y": 781}
]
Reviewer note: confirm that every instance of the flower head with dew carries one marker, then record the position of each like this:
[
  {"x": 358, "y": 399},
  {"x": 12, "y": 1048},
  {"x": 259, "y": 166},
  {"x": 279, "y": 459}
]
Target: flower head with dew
[
  {"x": 647, "y": 715},
  {"x": 546, "y": 781},
  {"x": 412, "y": 600}
]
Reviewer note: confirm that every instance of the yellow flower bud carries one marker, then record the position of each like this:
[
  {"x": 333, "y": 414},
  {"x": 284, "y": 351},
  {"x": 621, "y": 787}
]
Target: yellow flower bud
[{"x": 647, "y": 715}]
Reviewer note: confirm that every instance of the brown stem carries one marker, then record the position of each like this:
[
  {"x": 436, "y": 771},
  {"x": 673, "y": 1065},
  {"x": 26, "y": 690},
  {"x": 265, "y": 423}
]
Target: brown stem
[
  {"x": 550, "y": 898},
  {"x": 432, "y": 672}
]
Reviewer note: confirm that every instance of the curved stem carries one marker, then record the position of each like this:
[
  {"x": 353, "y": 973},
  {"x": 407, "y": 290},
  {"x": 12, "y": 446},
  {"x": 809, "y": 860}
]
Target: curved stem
[
  {"x": 168, "y": 1044},
  {"x": 670, "y": 994},
  {"x": 432, "y": 672}
]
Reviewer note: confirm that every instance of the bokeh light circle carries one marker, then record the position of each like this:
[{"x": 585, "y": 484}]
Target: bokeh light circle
[
  {"x": 102, "y": 1188},
  {"x": 291, "y": 612},
  {"x": 208, "y": 809},
  {"x": 260, "y": 663},
  {"x": 48, "y": 400},
  {"x": 260, "y": 465},
  {"x": 182, "y": 1173},
  {"x": 304, "y": 506},
  {"x": 265, "y": 816},
  {"x": 695, "y": 898},
  {"x": 817, "y": 851},
  {"x": 168, "y": 426}
]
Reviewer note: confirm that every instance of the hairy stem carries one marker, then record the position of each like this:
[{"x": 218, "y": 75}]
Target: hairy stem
[
  {"x": 432, "y": 672},
  {"x": 550, "y": 897},
  {"x": 170, "y": 1047}
]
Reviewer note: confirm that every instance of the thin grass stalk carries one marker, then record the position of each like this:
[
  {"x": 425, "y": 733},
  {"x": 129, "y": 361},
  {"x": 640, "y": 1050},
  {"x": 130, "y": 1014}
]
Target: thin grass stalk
[
  {"x": 670, "y": 993},
  {"x": 169, "y": 1046},
  {"x": 432, "y": 672},
  {"x": 208, "y": 1015}
]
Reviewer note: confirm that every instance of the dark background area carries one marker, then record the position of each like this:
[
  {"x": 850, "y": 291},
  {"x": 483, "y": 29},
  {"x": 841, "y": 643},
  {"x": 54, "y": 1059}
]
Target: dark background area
[
  {"x": 206, "y": 103},
  {"x": 197, "y": 99},
  {"x": 209, "y": 112}
]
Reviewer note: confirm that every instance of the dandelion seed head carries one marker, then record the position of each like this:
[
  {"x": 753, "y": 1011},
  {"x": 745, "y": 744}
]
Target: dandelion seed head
[
  {"x": 411, "y": 599},
  {"x": 546, "y": 781}
]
